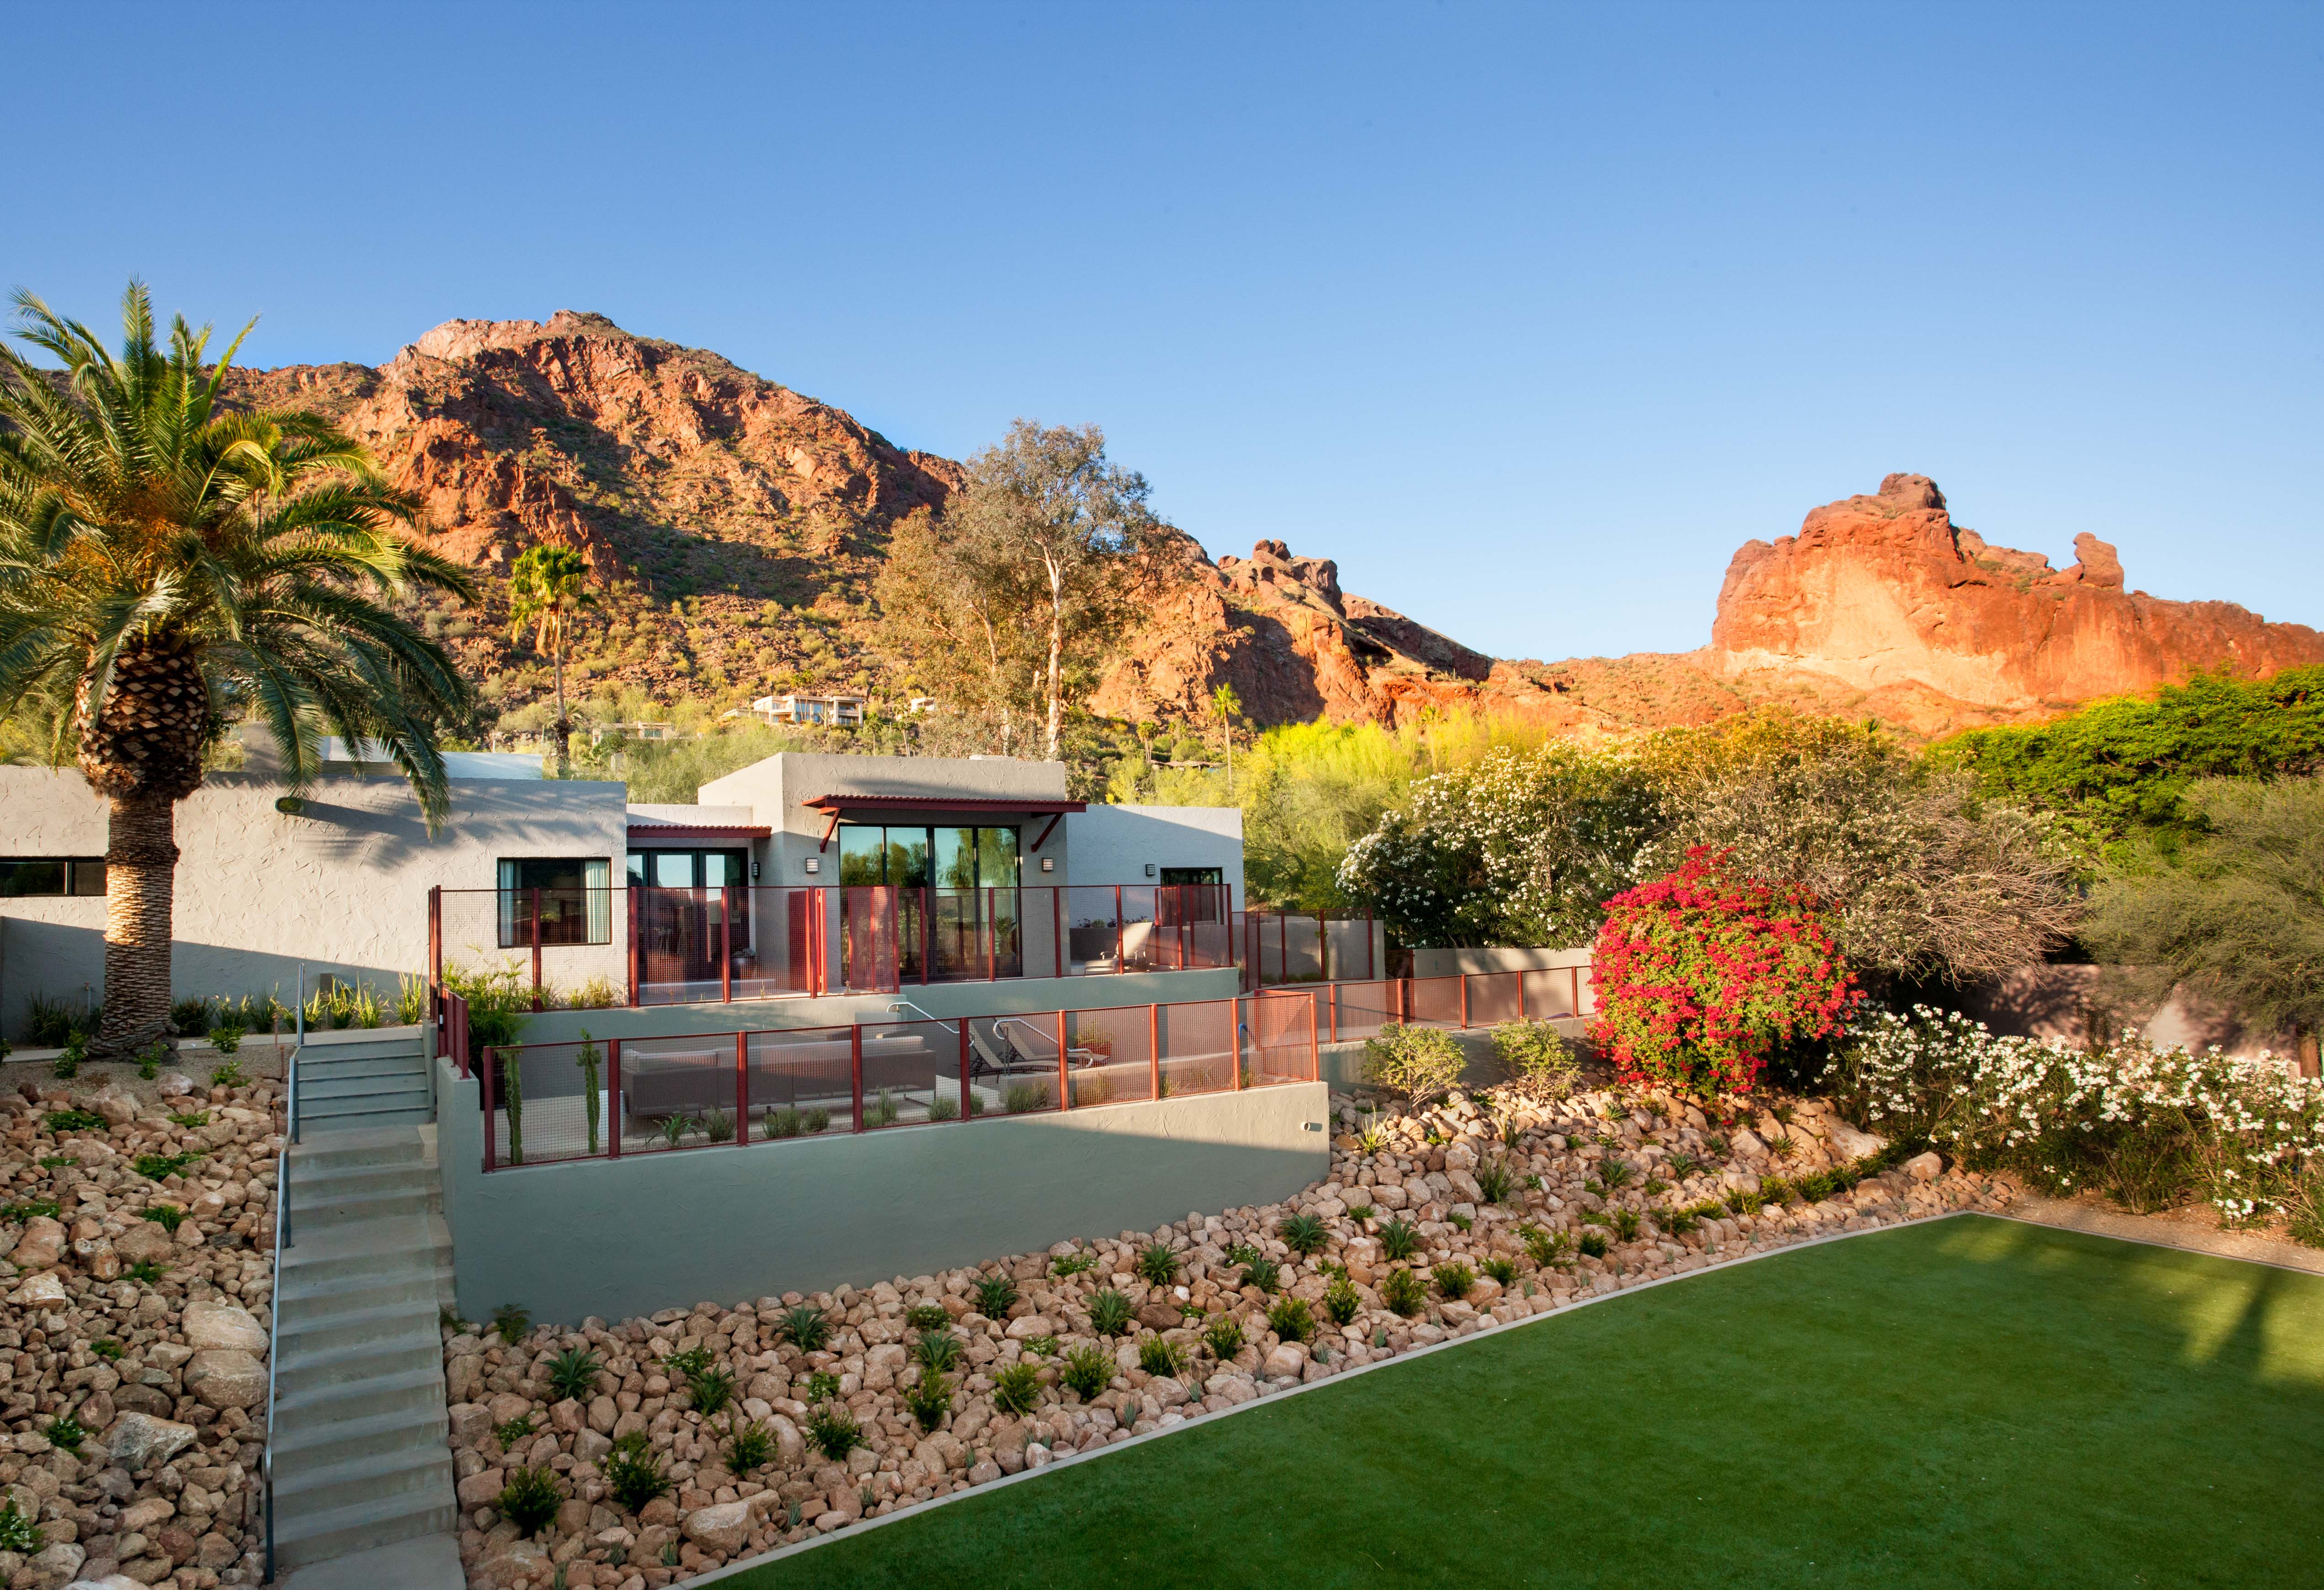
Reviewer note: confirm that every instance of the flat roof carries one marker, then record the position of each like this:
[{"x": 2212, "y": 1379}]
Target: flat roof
[{"x": 1033, "y": 805}]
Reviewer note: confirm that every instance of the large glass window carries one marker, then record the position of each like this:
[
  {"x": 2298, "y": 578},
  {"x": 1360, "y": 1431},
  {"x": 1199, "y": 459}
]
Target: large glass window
[
  {"x": 24, "y": 875},
  {"x": 955, "y": 912},
  {"x": 574, "y": 897},
  {"x": 927, "y": 858}
]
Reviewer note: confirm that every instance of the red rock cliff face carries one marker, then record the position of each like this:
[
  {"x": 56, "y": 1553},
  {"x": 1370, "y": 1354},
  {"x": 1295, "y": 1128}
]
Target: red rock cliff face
[{"x": 1887, "y": 595}]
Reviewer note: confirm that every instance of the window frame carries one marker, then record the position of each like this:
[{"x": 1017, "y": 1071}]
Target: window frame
[
  {"x": 71, "y": 877},
  {"x": 562, "y": 928}
]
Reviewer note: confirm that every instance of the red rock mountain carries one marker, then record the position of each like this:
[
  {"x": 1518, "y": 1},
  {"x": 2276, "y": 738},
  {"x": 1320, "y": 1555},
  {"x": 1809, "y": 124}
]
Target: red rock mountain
[{"x": 739, "y": 525}]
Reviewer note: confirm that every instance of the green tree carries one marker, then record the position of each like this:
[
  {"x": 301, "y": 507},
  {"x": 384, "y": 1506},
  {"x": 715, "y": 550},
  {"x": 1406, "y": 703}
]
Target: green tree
[
  {"x": 548, "y": 588},
  {"x": 2235, "y": 912},
  {"x": 168, "y": 565},
  {"x": 2121, "y": 767},
  {"x": 1071, "y": 555},
  {"x": 951, "y": 614},
  {"x": 1225, "y": 705},
  {"x": 1922, "y": 880}
]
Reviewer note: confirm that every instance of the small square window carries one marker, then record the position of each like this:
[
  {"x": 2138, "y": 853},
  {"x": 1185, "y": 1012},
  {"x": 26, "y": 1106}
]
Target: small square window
[{"x": 575, "y": 898}]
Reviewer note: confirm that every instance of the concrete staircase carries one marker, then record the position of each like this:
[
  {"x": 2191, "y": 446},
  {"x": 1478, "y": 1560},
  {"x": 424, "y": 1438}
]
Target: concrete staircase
[
  {"x": 360, "y": 1079},
  {"x": 360, "y": 1458}
]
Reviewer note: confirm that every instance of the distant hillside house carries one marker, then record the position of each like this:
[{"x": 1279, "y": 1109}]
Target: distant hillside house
[{"x": 818, "y": 709}]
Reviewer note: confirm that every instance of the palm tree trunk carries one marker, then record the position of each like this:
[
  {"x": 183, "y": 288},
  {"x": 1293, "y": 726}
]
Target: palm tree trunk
[
  {"x": 141, "y": 865},
  {"x": 564, "y": 727}
]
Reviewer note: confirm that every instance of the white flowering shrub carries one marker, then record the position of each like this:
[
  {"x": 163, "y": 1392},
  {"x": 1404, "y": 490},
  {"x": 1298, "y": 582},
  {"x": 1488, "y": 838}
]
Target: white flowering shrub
[
  {"x": 2151, "y": 1127},
  {"x": 1515, "y": 849}
]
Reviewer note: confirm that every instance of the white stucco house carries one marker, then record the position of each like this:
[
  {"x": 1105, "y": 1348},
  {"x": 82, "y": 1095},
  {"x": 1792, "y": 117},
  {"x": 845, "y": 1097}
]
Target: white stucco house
[{"x": 801, "y": 874}]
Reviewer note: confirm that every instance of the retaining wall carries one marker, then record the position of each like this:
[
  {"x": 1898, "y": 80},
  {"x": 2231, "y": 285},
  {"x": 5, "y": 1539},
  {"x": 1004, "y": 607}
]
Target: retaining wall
[{"x": 652, "y": 1230}]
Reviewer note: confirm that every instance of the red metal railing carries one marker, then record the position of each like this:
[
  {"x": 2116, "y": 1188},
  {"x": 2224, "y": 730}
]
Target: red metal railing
[
  {"x": 1277, "y": 947},
  {"x": 655, "y": 946},
  {"x": 548, "y": 1103}
]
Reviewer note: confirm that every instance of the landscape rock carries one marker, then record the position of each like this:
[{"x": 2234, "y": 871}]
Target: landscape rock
[{"x": 138, "y": 1440}]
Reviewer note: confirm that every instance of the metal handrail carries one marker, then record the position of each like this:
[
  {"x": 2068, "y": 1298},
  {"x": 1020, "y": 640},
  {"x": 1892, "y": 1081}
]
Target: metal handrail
[
  {"x": 274, "y": 1337},
  {"x": 896, "y": 1006}
]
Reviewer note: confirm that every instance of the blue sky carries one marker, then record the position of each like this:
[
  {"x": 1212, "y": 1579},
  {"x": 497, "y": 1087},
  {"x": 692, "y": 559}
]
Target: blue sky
[{"x": 1528, "y": 316}]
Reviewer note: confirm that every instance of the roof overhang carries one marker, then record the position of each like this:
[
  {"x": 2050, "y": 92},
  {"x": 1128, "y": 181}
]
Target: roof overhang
[
  {"x": 694, "y": 833},
  {"x": 1024, "y": 806}
]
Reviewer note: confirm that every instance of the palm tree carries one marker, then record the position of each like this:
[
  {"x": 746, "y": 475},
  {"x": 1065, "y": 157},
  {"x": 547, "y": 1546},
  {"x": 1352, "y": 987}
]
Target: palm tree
[
  {"x": 168, "y": 566},
  {"x": 548, "y": 587}
]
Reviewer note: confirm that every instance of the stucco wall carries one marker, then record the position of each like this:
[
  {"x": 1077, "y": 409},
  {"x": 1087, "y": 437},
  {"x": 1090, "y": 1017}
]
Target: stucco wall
[
  {"x": 1445, "y": 963},
  {"x": 669, "y": 1230},
  {"x": 1116, "y": 844},
  {"x": 341, "y": 887}
]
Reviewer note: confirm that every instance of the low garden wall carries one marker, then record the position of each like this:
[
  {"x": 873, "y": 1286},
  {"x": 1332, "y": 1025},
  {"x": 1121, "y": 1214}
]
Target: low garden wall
[
  {"x": 629, "y": 1236},
  {"x": 1449, "y": 963},
  {"x": 1341, "y": 1064}
]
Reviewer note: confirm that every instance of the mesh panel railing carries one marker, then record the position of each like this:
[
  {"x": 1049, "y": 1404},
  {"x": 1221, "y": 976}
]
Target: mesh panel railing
[
  {"x": 1360, "y": 1009},
  {"x": 1432, "y": 1001},
  {"x": 548, "y": 1103},
  {"x": 1282, "y": 1046}
]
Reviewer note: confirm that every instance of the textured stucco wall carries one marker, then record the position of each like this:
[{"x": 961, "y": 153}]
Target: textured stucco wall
[
  {"x": 341, "y": 887},
  {"x": 1115, "y": 843},
  {"x": 734, "y": 1222},
  {"x": 1443, "y": 963}
]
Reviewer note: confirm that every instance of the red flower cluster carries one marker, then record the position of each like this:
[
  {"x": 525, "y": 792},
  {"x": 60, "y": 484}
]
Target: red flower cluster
[{"x": 1701, "y": 974}]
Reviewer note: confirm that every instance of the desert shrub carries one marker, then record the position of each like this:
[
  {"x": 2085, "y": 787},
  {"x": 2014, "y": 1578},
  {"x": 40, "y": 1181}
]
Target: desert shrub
[
  {"x": 1496, "y": 1181},
  {"x": 514, "y": 1322},
  {"x": 574, "y": 1374},
  {"x": 63, "y": 1121},
  {"x": 1157, "y": 1356},
  {"x": 168, "y": 1216},
  {"x": 1703, "y": 975},
  {"x": 1502, "y": 1269},
  {"x": 994, "y": 1296},
  {"x": 883, "y": 1110},
  {"x": 1289, "y": 1319},
  {"x": 1626, "y": 1225},
  {"x": 1022, "y": 1098},
  {"x": 1403, "y": 1292},
  {"x": 529, "y": 1500},
  {"x": 943, "y": 1106},
  {"x": 1073, "y": 1263},
  {"x": 1110, "y": 1313},
  {"x": 928, "y": 1398},
  {"x": 938, "y": 1349},
  {"x": 1593, "y": 1245},
  {"x": 822, "y": 1386},
  {"x": 1223, "y": 1335},
  {"x": 749, "y": 1447},
  {"x": 231, "y": 1074},
  {"x": 1535, "y": 1059},
  {"x": 710, "y": 1391},
  {"x": 510, "y": 1431},
  {"x": 18, "y": 1533},
  {"x": 1419, "y": 1062},
  {"x": 1041, "y": 1346},
  {"x": 189, "y": 1018},
  {"x": 1156, "y": 1264},
  {"x": 718, "y": 1126},
  {"x": 814, "y": 1121},
  {"x": 65, "y": 1432},
  {"x": 1341, "y": 1301},
  {"x": 1016, "y": 1388},
  {"x": 1303, "y": 1234},
  {"x": 633, "y": 1472},
  {"x": 1455, "y": 1279},
  {"x": 833, "y": 1432},
  {"x": 804, "y": 1327},
  {"x": 1087, "y": 1371},
  {"x": 1265, "y": 1274},
  {"x": 786, "y": 1122},
  {"x": 927, "y": 1316}
]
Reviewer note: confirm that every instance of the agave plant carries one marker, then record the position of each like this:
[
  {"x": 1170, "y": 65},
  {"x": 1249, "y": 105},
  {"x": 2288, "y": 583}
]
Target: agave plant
[{"x": 169, "y": 565}]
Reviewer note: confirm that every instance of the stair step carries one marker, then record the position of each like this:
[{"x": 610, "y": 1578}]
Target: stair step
[
  {"x": 398, "y": 1247},
  {"x": 328, "y": 1177},
  {"x": 313, "y": 1066},
  {"x": 314, "y": 1090},
  {"x": 314, "y": 1328},
  {"x": 350, "y": 1207},
  {"x": 343, "y": 1440},
  {"x": 311, "y": 1488},
  {"x": 390, "y": 1352},
  {"x": 360, "y": 1526},
  {"x": 386, "y": 1146},
  {"x": 351, "y": 1120},
  {"x": 319, "y": 1406}
]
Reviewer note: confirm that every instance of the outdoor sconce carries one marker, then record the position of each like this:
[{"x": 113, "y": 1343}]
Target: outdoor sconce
[
  {"x": 1150, "y": 869},
  {"x": 1048, "y": 863},
  {"x": 754, "y": 872},
  {"x": 814, "y": 866}
]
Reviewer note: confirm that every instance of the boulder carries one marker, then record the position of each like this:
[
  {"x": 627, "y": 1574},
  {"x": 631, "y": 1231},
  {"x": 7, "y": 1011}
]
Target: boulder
[
  {"x": 139, "y": 1440},
  {"x": 145, "y": 1243},
  {"x": 42, "y": 1245},
  {"x": 483, "y": 1488},
  {"x": 1924, "y": 1167},
  {"x": 44, "y": 1290},
  {"x": 1849, "y": 1143},
  {"x": 214, "y": 1324},
  {"x": 723, "y": 1527},
  {"x": 1026, "y": 1327},
  {"x": 221, "y": 1378},
  {"x": 1746, "y": 1144}
]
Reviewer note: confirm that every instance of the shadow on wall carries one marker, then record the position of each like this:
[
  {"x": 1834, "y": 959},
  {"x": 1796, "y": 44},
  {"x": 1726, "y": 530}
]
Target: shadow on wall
[
  {"x": 2081, "y": 1004},
  {"x": 64, "y": 961}
]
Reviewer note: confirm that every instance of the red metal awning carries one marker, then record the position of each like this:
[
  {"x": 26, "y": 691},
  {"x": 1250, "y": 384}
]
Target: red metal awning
[{"x": 1027, "y": 806}]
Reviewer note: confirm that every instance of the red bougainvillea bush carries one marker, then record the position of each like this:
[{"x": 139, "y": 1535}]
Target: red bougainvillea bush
[{"x": 1705, "y": 974}]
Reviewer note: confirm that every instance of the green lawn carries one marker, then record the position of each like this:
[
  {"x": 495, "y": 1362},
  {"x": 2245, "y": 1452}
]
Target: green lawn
[{"x": 1970, "y": 1402}]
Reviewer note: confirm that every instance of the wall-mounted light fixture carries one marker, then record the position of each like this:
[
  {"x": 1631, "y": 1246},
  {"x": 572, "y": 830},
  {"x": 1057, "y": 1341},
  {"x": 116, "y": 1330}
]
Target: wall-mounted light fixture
[
  {"x": 1150, "y": 869},
  {"x": 1048, "y": 863},
  {"x": 814, "y": 866},
  {"x": 754, "y": 872}
]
